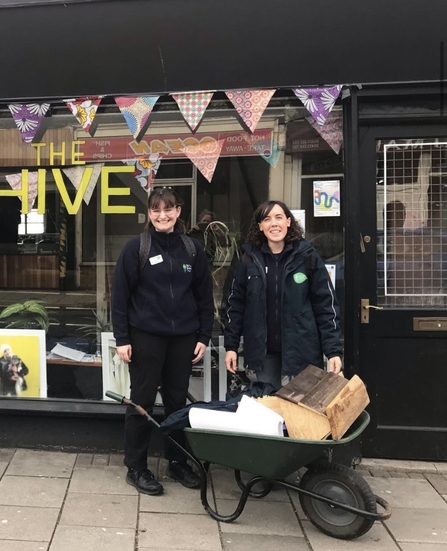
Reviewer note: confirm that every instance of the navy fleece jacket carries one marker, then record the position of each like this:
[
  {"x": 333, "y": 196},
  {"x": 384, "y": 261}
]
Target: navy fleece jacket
[{"x": 171, "y": 296}]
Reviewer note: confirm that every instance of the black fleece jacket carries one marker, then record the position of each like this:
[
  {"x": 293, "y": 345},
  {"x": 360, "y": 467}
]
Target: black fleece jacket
[{"x": 171, "y": 296}]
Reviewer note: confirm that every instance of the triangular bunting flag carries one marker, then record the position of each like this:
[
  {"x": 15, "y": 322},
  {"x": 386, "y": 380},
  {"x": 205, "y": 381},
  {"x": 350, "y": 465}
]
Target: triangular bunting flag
[
  {"x": 28, "y": 118},
  {"x": 76, "y": 173},
  {"x": 332, "y": 131},
  {"x": 192, "y": 106},
  {"x": 15, "y": 181},
  {"x": 84, "y": 109},
  {"x": 145, "y": 169},
  {"x": 318, "y": 101},
  {"x": 205, "y": 161},
  {"x": 136, "y": 111},
  {"x": 250, "y": 104}
]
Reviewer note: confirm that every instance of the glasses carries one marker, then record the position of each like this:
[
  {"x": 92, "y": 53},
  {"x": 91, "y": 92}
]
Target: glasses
[{"x": 166, "y": 211}]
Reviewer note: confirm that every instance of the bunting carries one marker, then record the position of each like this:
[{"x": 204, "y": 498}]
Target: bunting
[
  {"x": 15, "y": 181},
  {"x": 318, "y": 101},
  {"x": 28, "y": 118},
  {"x": 84, "y": 109},
  {"x": 76, "y": 174},
  {"x": 192, "y": 106},
  {"x": 136, "y": 111},
  {"x": 205, "y": 159},
  {"x": 250, "y": 104},
  {"x": 332, "y": 131},
  {"x": 145, "y": 169}
]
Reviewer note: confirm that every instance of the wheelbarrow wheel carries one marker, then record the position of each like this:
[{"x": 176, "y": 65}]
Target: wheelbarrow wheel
[{"x": 342, "y": 484}]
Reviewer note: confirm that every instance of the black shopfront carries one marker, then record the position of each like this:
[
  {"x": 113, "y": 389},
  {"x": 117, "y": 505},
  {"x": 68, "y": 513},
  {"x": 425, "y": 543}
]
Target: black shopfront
[{"x": 389, "y": 245}]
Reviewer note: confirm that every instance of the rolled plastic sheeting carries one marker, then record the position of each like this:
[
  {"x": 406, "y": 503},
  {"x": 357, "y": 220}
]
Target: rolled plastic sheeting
[{"x": 251, "y": 417}]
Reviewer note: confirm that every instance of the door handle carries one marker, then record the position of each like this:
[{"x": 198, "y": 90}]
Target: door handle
[{"x": 365, "y": 307}]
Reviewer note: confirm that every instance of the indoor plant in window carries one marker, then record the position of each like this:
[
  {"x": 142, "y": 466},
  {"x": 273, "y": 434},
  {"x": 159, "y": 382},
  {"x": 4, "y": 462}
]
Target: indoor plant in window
[{"x": 30, "y": 314}]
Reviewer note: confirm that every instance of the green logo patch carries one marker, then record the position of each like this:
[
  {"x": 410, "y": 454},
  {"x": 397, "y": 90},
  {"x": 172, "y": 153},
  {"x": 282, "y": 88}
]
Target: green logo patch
[{"x": 299, "y": 277}]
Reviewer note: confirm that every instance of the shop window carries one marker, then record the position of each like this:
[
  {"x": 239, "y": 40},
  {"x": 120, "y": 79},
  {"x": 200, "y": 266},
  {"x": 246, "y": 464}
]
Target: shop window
[{"x": 31, "y": 223}]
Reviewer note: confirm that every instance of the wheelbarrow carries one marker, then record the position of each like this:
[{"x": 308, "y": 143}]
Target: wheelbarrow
[{"x": 336, "y": 499}]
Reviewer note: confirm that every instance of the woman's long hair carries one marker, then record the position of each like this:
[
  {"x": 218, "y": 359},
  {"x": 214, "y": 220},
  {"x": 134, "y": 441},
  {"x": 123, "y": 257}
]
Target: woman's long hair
[
  {"x": 256, "y": 237},
  {"x": 170, "y": 199}
]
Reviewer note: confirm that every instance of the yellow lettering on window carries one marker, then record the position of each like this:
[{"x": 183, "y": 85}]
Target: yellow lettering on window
[
  {"x": 72, "y": 208},
  {"x": 75, "y": 154},
  {"x": 54, "y": 154},
  {"x": 22, "y": 193},
  {"x": 107, "y": 191},
  {"x": 38, "y": 146},
  {"x": 41, "y": 198}
]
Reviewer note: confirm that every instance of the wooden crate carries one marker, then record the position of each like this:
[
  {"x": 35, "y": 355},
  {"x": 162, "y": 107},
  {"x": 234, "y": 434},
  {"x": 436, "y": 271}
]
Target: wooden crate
[{"x": 316, "y": 404}]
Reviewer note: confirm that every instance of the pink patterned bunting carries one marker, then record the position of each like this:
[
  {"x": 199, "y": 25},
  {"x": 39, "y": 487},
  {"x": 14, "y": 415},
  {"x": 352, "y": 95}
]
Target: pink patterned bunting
[
  {"x": 332, "y": 131},
  {"x": 84, "y": 109},
  {"x": 250, "y": 104},
  {"x": 192, "y": 106},
  {"x": 28, "y": 118},
  {"x": 136, "y": 111},
  {"x": 205, "y": 158},
  {"x": 318, "y": 101},
  {"x": 145, "y": 169},
  {"x": 75, "y": 174},
  {"x": 15, "y": 181}
]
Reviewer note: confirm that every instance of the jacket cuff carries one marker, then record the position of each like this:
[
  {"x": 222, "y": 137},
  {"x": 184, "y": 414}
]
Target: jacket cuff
[
  {"x": 231, "y": 349},
  {"x": 204, "y": 340},
  {"x": 122, "y": 341}
]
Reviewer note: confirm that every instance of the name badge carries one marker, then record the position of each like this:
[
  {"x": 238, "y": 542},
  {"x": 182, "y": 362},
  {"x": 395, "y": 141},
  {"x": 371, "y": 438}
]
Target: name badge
[{"x": 156, "y": 259}]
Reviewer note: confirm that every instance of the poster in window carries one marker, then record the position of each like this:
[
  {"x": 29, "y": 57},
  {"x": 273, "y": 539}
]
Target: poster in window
[
  {"x": 326, "y": 198},
  {"x": 23, "y": 369}
]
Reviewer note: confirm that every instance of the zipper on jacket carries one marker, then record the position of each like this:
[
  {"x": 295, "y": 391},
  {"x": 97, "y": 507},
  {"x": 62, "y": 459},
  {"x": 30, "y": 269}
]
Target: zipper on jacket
[
  {"x": 276, "y": 301},
  {"x": 264, "y": 279},
  {"x": 170, "y": 284}
]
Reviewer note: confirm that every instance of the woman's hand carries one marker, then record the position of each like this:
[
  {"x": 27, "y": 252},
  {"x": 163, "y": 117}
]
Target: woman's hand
[
  {"x": 231, "y": 361},
  {"x": 199, "y": 351},
  {"x": 124, "y": 352},
  {"x": 334, "y": 364}
]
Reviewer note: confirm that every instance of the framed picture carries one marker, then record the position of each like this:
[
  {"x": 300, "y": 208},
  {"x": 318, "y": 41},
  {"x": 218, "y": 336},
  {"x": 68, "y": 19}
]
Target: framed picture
[
  {"x": 115, "y": 372},
  {"x": 23, "y": 367}
]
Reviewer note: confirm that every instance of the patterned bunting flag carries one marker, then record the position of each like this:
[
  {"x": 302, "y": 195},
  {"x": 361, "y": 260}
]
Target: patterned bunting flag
[
  {"x": 15, "y": 181},
  {"x": 28, "y": 118},
  {"x": 75, "y": 174},
  {"x": 204, "y": 160},
  {"x": 332, "y": 131},
  {"x": 318, "y": 101},
  {"x": 145, "y": 169},
  {"x": 192, "y": 106},
  {"x": 84, "y": 109},
  {"x": 136, "y": 111},
  {"x": 250, "y": 104}
]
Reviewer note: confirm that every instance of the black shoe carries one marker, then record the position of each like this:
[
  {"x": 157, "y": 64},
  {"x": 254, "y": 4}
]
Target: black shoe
[
  {"x": 144, "y": 482},
  {"x": 184, "y": 474}
]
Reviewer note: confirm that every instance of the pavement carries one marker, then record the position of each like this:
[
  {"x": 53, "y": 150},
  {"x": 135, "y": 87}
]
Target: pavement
[{"x": 56, "y": 501}]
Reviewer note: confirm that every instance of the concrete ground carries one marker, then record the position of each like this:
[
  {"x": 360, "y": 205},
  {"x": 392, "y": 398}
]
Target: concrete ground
[{"x": 54, "y": 501}]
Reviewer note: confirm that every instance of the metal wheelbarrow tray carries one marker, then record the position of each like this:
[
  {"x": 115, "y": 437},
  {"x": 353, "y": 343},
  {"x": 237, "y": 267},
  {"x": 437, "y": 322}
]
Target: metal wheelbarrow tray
[{"x": 337, "y": 500}]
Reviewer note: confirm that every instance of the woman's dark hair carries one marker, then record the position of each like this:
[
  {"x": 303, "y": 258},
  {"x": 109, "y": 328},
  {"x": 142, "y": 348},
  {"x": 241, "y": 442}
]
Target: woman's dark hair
[
  {"x": 256, "y": 237},
  {"x": 170, "y": 199}
]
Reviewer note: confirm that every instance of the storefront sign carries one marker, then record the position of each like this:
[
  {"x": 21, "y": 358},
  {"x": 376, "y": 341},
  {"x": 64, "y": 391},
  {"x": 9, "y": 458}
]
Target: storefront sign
[{"x": 301, "y": 137}]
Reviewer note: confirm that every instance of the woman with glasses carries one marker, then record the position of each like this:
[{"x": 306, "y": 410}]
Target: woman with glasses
[{"x": 162, "y": 315}]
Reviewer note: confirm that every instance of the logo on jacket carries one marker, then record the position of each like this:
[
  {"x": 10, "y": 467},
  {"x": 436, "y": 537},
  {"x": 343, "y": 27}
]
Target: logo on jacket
[
  {"x": 299, "y": 277},
  {"x": 187, "y": 268}
]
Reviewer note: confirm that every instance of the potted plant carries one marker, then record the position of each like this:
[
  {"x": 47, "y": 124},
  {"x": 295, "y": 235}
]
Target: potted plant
[{"x": 30, "y": 314}]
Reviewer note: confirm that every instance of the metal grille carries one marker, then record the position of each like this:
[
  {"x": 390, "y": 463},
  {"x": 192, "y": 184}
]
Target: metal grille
[{"x": 412, "y": 223}]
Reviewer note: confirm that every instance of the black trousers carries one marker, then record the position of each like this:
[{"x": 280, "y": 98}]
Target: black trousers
[{"x": 156, "y": 360}]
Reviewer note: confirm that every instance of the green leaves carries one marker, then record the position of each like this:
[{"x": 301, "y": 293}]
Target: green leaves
[{"x": 30, "y": 314}]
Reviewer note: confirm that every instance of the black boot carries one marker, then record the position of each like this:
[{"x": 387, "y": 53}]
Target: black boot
[
  {"x": 184, "y": 474},
  {"x": 144, "y": 481}
]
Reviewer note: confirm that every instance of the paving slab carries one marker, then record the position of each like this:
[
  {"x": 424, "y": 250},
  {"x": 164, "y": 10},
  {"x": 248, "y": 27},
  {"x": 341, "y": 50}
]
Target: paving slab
[
  {"x": 27, "y": 523},
  {"x": 101, "y": 480},
  {"x": 419, "y": 526},
  {"x": 87, "y": 538},
  {"x": 423, "y": 547},
  {"x": 441, "y": 468},
  {"x": 438, "y": 482},
  {"x": 175, "y": 499},
  {"x": 116, "y": 460},
  {"x": 225, "y": 487},
  {"x": 41, "y": 463},
  {"x": 104, "y": 510},
  {"x": 407, "y": 493},
  {"x": 399, "y": 465},
  {"x": 248, "y": 542},
  {"x": 3, "y": 466},
  {"x": 166, "y": 531},
  {"x": 261, "y": 517},
  {"x": 32, "y": 491},
  {"x": 6, "y": 454},
  {"x": 377, "y": 539},
  {"x": 23, "y": 545}
]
